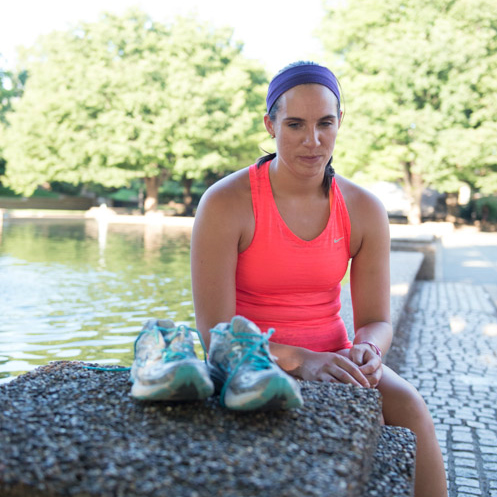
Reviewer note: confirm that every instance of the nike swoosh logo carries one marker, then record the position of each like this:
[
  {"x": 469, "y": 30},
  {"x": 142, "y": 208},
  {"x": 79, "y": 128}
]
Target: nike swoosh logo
[{"x": 336, "y": 241}]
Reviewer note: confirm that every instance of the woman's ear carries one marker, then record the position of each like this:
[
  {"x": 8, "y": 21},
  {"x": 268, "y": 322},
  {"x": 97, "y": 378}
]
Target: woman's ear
[
  {"x": 340, "y": 119},
  {"x": 269, "y": 125}
]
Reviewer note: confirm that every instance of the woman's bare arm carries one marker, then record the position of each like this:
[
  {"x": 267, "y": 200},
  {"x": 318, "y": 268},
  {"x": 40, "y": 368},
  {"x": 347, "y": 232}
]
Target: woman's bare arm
[
  {"x": 217, "y": 234},
  {"x": 370, "y": 282}
]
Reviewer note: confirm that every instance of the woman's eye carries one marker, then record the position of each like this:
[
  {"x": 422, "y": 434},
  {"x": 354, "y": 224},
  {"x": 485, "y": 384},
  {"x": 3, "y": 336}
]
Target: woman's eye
[
  {"x": 326, "y": 124},
  {"x": 294, "y": 125}
]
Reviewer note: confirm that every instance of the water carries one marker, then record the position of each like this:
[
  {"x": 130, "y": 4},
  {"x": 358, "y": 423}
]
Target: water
[{"x": 79, "y": 290}]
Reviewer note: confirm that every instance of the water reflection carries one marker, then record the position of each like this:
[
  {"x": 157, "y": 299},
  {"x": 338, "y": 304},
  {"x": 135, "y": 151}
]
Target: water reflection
[{"x": 72, "y": 290}]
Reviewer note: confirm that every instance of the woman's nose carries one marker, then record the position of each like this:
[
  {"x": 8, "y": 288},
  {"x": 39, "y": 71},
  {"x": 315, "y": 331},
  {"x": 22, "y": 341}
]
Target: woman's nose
[{"x": 312, "y": 137}]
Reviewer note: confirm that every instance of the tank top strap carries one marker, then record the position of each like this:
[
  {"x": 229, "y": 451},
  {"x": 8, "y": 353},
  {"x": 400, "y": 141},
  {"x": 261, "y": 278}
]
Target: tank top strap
[
  {"x": 338, "y": 210},
  {"x": 260, "y": 187}
]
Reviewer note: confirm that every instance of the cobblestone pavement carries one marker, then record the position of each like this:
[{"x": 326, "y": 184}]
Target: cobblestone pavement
[{"x": 447, "y": 348}]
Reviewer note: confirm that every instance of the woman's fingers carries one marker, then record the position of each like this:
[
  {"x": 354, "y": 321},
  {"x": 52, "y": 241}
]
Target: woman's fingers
[
  {"x": 375, "y": 377},
  {"x": 333, "y": 367},
  {"x": 356, "y": 354},
  {"x": 371, "y": 366},
  {"x": 344, "y": 370}
]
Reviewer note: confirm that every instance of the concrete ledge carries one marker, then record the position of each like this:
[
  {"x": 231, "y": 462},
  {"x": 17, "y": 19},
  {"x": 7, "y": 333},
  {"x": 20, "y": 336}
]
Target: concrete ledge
[
  {"x": 393, "y": 464},
  {"x": 98, "y": 214},
  {"x": 425, "y": 245},
  {"x": 404, "y": 267},
  {"x": 63, "y": 202},
  {"x": 67, "y": 430},
  {"x": 110, "y": 216},
  {"x": 422, "y": 238}
]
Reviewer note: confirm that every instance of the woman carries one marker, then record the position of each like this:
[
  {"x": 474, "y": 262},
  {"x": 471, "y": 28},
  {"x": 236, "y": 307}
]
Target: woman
[{"x": 271, "y": 242}]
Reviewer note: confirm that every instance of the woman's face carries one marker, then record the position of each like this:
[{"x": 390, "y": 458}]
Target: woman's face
[{"x": 305, "y": 128}]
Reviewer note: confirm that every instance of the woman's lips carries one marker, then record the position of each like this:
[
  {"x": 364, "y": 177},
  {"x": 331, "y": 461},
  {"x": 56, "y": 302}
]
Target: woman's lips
[{"x": 310, "y": 158}]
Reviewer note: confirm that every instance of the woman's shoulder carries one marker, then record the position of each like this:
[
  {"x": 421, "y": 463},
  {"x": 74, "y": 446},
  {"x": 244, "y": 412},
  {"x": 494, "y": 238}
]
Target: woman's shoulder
[
  {"x": 225, "y": 210},
  {"x": 228, "y": 199},
  {"x": 231, "y": 188}
]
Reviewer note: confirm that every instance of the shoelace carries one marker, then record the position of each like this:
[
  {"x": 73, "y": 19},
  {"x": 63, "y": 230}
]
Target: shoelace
[
  {"x": 115, "y": 369},
  {"x": 185, "y": 348},
  {"x": 260, "y": 361},
  {"x": 167, "y": 354}
]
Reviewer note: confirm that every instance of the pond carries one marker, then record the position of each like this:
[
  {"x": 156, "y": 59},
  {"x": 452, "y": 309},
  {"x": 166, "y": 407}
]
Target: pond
[{"x": 80, "y": 290}]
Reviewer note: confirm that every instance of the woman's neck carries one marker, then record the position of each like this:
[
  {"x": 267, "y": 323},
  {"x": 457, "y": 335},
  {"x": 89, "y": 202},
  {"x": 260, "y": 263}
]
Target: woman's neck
[{"x": 284, "y": 183}]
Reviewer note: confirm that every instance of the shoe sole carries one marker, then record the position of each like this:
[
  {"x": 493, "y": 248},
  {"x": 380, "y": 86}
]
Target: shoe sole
[
  {"x": 278, "y": 394},
  {"x": 190, "y": 383}
]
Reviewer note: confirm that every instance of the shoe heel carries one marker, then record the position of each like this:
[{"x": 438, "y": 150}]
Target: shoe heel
[{"x": 217, "y": 377}]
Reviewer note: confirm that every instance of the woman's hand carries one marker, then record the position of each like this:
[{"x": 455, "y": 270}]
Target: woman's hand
[
  {"x": 368, "y": 361},
  {"x": 334, "y": 368}
]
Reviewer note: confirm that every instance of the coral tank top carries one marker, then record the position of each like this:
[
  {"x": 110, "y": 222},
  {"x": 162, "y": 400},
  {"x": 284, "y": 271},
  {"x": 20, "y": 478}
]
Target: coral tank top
[{"x": 290, "y": 284}]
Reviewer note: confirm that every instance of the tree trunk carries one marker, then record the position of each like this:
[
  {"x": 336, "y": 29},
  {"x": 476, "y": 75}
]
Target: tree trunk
[
  {"x": 152, "y": 198},
  {"x": 152, "y": 185},
  {"x": 414, "y": 190},
  {"x": 187, "y": 195}
]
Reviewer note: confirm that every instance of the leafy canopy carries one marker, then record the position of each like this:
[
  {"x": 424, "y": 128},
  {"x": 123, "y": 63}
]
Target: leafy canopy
[
  {"x": 127, "y": 97},
  {"x": 420, "y": 81}
]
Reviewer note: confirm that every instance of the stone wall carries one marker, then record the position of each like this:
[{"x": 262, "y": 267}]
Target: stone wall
[
  {"x": 68, "y": 430},
  {"x": 62, "y": 203}
]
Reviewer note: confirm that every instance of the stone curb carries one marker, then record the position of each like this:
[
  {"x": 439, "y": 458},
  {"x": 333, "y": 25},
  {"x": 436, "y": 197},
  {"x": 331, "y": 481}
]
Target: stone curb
[
  {"x": 393, "y": 464},
  {"x": 67, "y": 430},
  {"x": 404, "y": 267}
]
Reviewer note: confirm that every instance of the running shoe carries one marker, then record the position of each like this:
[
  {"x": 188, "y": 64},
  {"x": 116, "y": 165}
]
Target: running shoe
[
  {"x": 244, "y": 372},
  {"x": 166, "y": 366}
]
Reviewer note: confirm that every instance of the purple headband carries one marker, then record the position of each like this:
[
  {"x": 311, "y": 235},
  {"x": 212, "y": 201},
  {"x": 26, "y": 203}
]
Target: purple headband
[{"x": 300, "y": 75}]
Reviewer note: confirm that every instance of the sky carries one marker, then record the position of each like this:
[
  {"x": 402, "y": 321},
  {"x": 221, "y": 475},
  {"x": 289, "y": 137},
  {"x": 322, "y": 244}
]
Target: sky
[{"x": 272, "y": 31}]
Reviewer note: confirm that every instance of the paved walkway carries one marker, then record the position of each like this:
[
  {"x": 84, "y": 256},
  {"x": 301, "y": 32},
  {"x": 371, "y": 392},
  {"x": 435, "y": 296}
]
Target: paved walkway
[
  {"x": 447, "y": 348},
  {"x": 468, "y": 255}
]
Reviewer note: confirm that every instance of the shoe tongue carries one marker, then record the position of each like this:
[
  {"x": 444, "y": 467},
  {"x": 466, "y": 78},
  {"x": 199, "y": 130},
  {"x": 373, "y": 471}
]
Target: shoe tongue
[
  {"x": 166, "y": 323},
  {"x": 175, "y": 337},
  {"x": 243, "y": 325},
  {"x": 248, "y": 339}
]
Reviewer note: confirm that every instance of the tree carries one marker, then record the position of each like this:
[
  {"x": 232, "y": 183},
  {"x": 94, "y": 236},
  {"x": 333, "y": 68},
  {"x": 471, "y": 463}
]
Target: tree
[
  {"x": 11, "y": 88},
  {"x": 420, "y": 80},
  {"x": 127, "y": 97}
]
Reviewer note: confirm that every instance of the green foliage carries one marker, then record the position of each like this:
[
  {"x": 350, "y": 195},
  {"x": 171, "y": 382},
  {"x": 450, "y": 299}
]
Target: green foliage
[
  {"x": 486, "y": 209},
  {"x": 38, "y": 193},
  {"x": 11, "y": 87},
  {"x": 7, "y": 192},
  {"x": 128, "y": 97},
  {"x": 420, "y": 81},
  {"x": 480, "y": 209}
]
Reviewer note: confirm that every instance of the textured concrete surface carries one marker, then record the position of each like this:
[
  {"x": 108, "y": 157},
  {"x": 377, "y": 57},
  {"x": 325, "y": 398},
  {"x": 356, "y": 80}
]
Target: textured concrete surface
[
  {"x": 393, "y": 464},
  {"x": 67, "y": 430}
]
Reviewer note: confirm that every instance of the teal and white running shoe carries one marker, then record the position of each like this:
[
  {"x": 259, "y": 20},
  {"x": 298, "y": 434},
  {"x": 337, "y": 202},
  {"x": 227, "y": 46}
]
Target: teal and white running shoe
[
  {"x": 166, "y": 366},
  {"x": 244, "y": 371}
]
